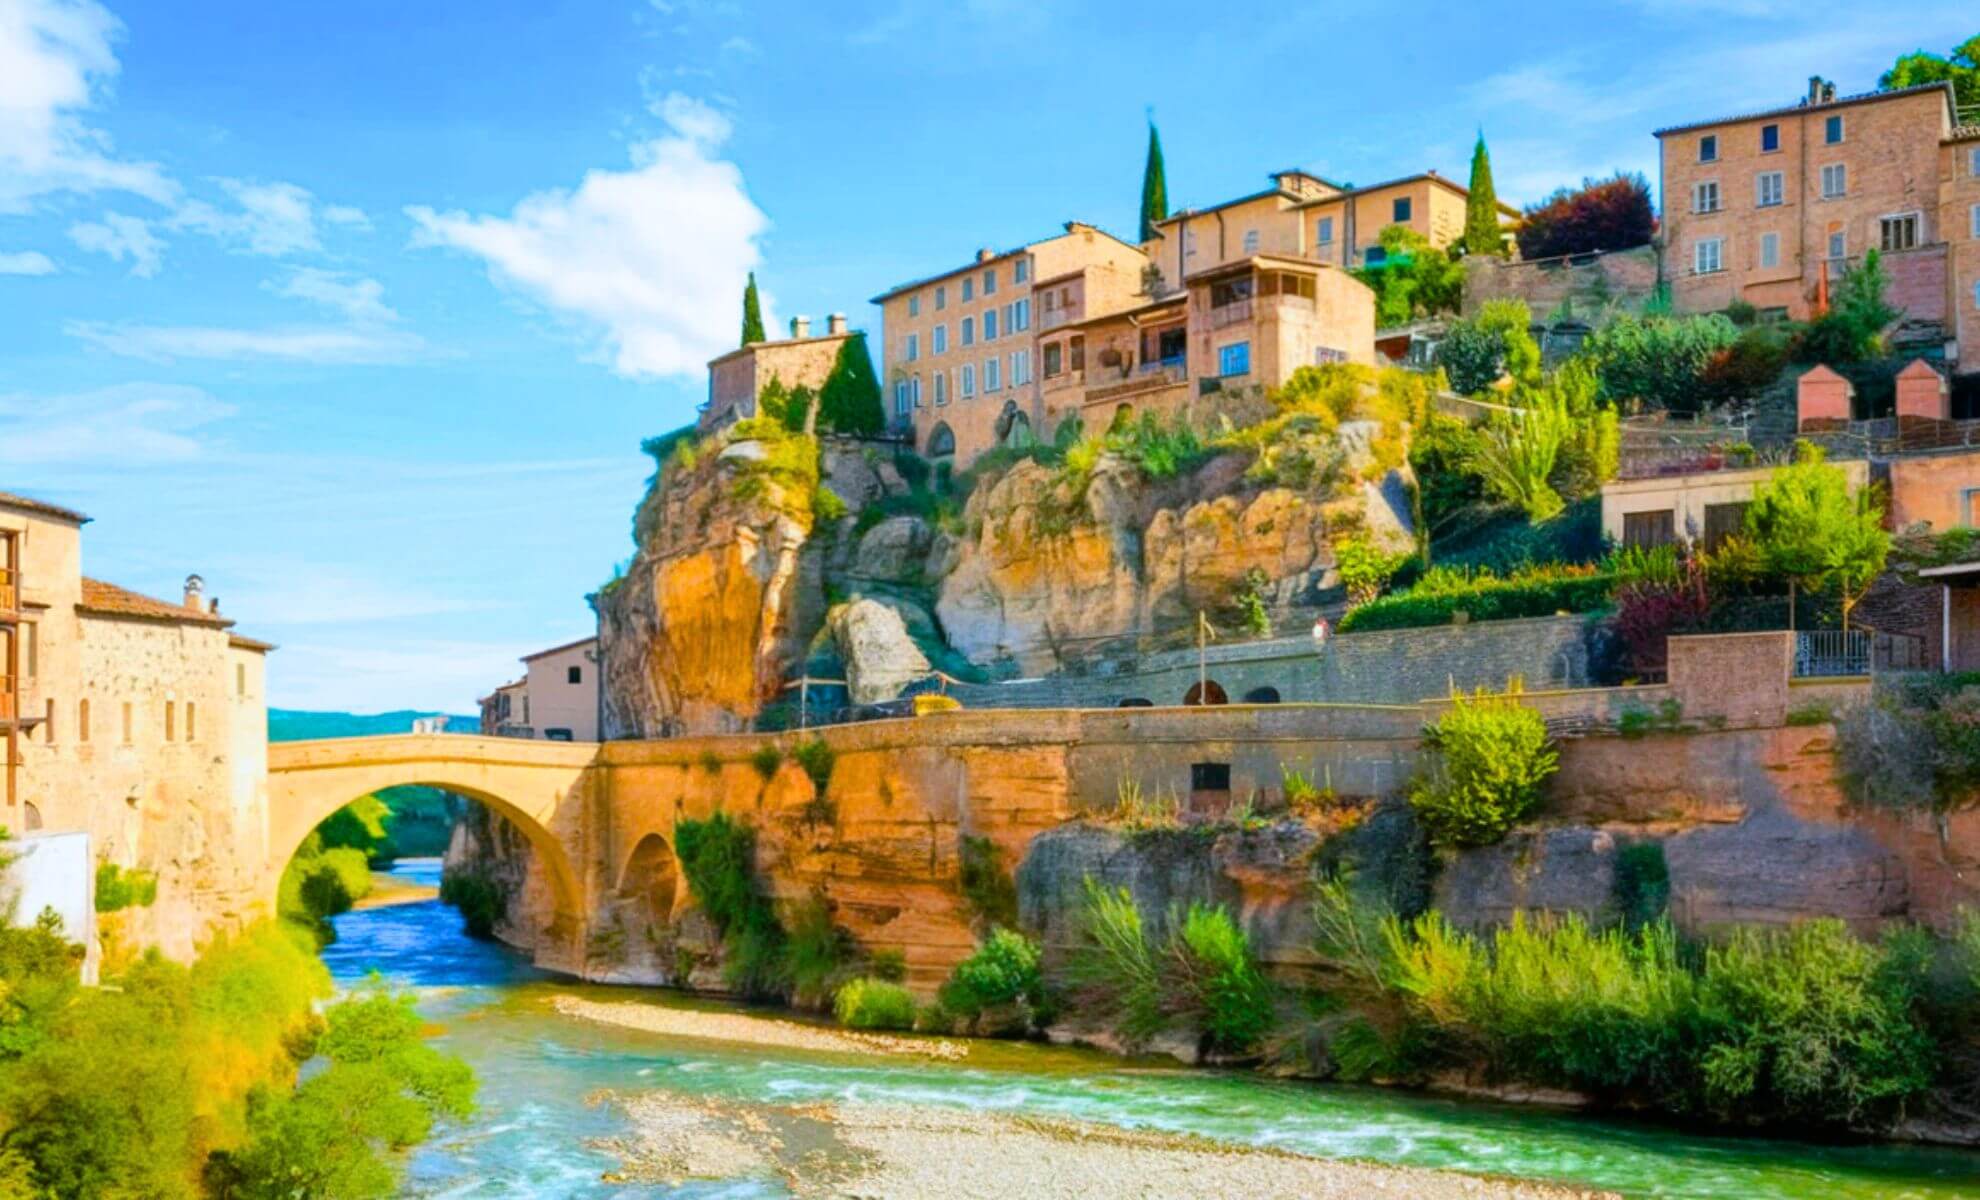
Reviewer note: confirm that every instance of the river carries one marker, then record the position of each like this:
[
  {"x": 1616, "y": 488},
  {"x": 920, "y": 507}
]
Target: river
[{"x": 534, "y": 1133}]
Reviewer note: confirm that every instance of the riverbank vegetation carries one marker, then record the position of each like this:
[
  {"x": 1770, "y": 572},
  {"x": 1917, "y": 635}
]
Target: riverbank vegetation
[{"x": 178, "y": 1081}]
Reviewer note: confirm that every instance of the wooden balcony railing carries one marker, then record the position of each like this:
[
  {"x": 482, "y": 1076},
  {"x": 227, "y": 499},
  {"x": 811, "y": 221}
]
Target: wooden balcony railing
[{"x": 1230, "y": 314}]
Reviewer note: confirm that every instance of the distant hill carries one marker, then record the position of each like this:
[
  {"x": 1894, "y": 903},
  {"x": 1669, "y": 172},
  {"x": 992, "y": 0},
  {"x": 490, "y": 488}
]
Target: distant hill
[{"x": 295, "y": 725}]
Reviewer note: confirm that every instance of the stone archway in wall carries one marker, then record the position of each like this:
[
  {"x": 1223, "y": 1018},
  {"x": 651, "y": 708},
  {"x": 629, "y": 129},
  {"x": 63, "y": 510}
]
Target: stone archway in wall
[
  {"x": 1207, "y": 692},
  {"x": 648, "y": 892},
  {"x": 297, "y": 807}
]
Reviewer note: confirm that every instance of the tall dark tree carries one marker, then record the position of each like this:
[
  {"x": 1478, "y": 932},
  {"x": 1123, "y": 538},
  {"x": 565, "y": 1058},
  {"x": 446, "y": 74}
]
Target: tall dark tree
[
  {"x": 752, "y": 330},
  {"x": 1154, "y": 186},
  {"x": 850, "y": 400},
  {"x": 1482, "y": 234}
]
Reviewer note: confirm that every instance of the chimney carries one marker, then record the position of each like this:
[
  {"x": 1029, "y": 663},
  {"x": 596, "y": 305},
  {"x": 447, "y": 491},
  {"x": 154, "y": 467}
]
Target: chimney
[
  {"x": 985, "y": 254},
  {"x": 195, "y": 593},
  {"x": 800, "y": 327},
  {"x": 835, "y": 324}
]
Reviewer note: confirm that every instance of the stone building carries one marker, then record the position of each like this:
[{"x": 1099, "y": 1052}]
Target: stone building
[
  {"x": 556, "y": 699},
  {"x": 140, "y": 721},
  {"x": 801, "y": 360},
  {"x": 1770, "y": 208}
]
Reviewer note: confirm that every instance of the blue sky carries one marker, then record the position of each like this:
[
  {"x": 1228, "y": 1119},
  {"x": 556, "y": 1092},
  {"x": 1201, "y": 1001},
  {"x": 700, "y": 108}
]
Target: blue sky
[{"x": 362, "y": 310}]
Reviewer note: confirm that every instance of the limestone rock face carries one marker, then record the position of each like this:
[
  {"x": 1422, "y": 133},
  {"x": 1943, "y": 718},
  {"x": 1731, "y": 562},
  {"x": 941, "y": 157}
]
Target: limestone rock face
[
  {"x": 897, "y": 549},
  {"x": 873, "y": 642},
  {"x": 721, "y": 599},
  {"x": 1046, "y": 567}
]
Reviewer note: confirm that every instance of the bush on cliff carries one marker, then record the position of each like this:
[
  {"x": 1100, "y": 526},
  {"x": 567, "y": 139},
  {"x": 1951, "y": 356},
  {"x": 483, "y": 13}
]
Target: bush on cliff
[
  {"x": 874, "y": 1004},
  {"x": 1491, "y": 761},
  {"x": 718, "y": 859},
  {"x": 1001, "y": 979}
]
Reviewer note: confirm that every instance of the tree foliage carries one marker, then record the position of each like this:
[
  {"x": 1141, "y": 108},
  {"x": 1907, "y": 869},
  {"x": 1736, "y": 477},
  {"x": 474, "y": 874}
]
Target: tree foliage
[
  {"x": 1809, "y": 528},
  {"x": 849, "y": 402},
  {"x": 1154, "y": 187},
  {"x": 1482, "y": 233},
  {"x": 1853, "y": 328},
  {"x": 1961, "y": 67},
  {"x": 1602, "y": 214},
  {"x": 1493, "y": 759},
  {"x": 1659, "y": 361},
  {"x": 752, "y": 314},
  {"x": 1414, "y": 279},
  {"x": 1479, "y": 351}
]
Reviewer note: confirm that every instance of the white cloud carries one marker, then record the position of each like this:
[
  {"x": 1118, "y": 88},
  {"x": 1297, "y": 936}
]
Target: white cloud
[
  {"x": 650, "y": 260},
  {"x": 55, "y": 62},
  {"x": 125, "y": 425},
  {"x": 122, "y": 237},
  {"x": 361, "y": 300},
  {"x": 168, "y": 343},
  {"x": 26, "y": 262},
  {"x": 272, "y": 219},
  {"x": 346, "y": 215}
]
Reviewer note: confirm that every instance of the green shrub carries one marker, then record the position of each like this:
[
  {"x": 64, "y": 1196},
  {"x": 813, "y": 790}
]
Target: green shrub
[
  {"x": 1215, "y": 985},
  {"x": 889, "y": 964},
  {"x": 1643, "y": 884},
  {"x": 1853, "y": 328},
  {"x": 766, "y": 759},
  {"x": 874, "y": 1004},
  {"x": 118, "y": 889},
  {"x": 718, "y": 860},
  {"x": 483, "y": 903},
  {"x": 1478, "y": 351},
  {"x": 1487, "y": 598},
  {"x": 818, "y": 954},
  {"x": 1492, "y": 760},
  {"x": 1003, "y": 972},
  {"x": 815, "y": 757},
  {"x": 1658, "y": 360},
  {"x": 1364, "y": 567}
]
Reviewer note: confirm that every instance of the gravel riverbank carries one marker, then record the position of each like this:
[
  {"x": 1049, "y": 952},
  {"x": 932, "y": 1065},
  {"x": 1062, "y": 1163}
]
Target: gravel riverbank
[{"x": 755, "y": 1031}]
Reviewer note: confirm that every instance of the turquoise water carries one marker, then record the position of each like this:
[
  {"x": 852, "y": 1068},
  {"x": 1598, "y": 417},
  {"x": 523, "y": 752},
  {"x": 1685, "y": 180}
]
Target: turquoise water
[{"x": 538, "y": 1067}]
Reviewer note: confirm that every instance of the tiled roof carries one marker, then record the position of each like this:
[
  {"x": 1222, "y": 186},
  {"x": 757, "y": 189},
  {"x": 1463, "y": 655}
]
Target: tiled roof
[
  {"x": 1963, "y": 133},
  {"x": 101, "y": 597},
  {"x": 247, "y": 643},
  {"x": 13, "y": 500},
  {"x": 1802, "y": 106},
  {"x": 583, "y": 641}
]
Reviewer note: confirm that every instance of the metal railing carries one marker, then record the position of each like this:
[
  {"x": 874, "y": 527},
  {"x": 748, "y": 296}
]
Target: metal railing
[
  {"x": 1824, "y": 653},
  {"x": 1230, "y": 314}
]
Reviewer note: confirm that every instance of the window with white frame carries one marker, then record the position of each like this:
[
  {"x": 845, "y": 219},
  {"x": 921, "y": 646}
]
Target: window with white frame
[
  {"x": 941, "y": 297},
  {"x": 993, "y": 374},
  {"x": 941, "y": 388},
  {"x": 1769, "y": 189},
  {"x": 990, "y": 281},
  {"x": 1835, "y": 181},
  {"x": 1020, "y": 315},
  {"x": 1021, "y": 270},
  {"x": 1251, "y": 241},
  {"x": 1838, "y": 245},
  {"x": 1705, "y": 196},
  {"x": 1323, "y": 231},
  {"x": 914, "y": 391},
  {"x": 938, "y": 340},
  {"x": 968, "y": 289},
  {"x": 989, "y": 324},
  {"x": 1770, "y": 249},
  {"x": 914, "y": 306},
  {"x": 1899, "y": 231},
  {"x": 1020, "y": 367},
  {"x": 969, "y": 331},
  {"x": 968, "y": 380},
  {"x": 913, "y": 346},
  {"x": 901, "y": 399},
  {"x": 1708, "y": 255}
]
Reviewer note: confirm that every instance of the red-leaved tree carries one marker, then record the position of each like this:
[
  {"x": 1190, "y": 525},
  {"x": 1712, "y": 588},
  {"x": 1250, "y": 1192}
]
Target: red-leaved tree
[
  {"x": 1647, "y": 612},
  {"x": 1603, "y": 214}
]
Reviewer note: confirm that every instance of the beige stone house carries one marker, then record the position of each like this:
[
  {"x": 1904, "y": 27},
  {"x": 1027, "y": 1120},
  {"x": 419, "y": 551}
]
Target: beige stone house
[
  {"x": 140, "y": 721},
  {"x": 800, "y": 360},
  {"x": 1771, "y": 207},
  {"x": 556, "y": 699}
]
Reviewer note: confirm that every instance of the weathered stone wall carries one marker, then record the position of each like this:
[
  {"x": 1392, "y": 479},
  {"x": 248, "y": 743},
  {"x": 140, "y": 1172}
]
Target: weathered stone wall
[{"x": 1587, "y": 283}]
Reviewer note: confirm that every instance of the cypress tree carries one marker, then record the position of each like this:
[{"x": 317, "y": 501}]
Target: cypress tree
[
  {"x": 752, "y": 330},
  {"x": 850, "y": 400},
  {"x": 1154, "y": 186},
  {"x": 1481, "y": 209}
]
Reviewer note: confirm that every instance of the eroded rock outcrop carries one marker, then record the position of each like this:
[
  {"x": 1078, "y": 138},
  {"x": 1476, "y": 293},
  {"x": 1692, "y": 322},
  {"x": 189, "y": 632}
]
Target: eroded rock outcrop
[{"x": 879, "y": 655}]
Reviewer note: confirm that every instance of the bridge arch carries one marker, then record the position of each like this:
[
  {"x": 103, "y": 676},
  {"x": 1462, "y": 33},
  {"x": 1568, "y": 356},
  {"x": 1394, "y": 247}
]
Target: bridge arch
[{"x": 539, "y": 787}]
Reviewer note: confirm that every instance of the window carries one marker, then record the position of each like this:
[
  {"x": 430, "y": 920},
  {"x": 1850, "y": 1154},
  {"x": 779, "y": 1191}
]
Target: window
[
  {"x": 1770, "y": 249},
  {"x": 913, "y": 346},
  {"x": 1708, "y": 148},
  {"x": 989, "y": 324},
  {"x": 1835, "y": 181},
  {"x": 1707, "y": 256},
  {"x": 1832, "y": 130},
  {"x": 1020, "y": 367},
  {"x": 1021, "y": 270},
  {"x": 82, "y": 720},
  {"x": 30, "y": 649},
  {"x": 1374, "y": 256},
  {"x": 990, "y": 281},
  {"x": 1234, "y": 359},
  {"x": 900, "y": 397},
  {"x": 240, "y": 680},
  {"x": 1705, "y": 196},
  {"x": 968, "y": 289},
  {"x": 1054, "y": 359},
  {"x": 1648, "y": 530},
  {"x": 941, "y": 297},
  {"x": 1322, "y": 355},
  {"x": 48, "y": 724},
  {"x": 192, "y": 721},
  {"x": 1898, "y": 232},
  {"x": 969, "y": 331},
  {"x": 1723, "y": 521},
  {"x": 127, "y": 722},
  {"x": 1973, "y": 162},
  {"x": 1399, "y": 210},
  {"x": 938, "y": 340},
  {"x": 992, "y": 374},
  {"x": 1251, "y": 241},
  {"x": 171, "y": 720},
  {"x": 914, "y": 306},
  {"x": 1076, "y": 353},
  {"x": 914, "y": 391},
  {"x": 1976, "y": 295},
  {"x": 574, "y": 675},
  {"x": 1970, "y": 508},
  {"x": 1770, "y": 138},
  {"x": 1836, "y": 244},
  {"x": 1020, "y": 316},
  {"x": 968, "y": 381},
  {"x": 1769, "y": 189},
  {"x": 1323, "y": 231},
  {"x": 1973, "y": 218},
  {"x": 941, "y": 388}
]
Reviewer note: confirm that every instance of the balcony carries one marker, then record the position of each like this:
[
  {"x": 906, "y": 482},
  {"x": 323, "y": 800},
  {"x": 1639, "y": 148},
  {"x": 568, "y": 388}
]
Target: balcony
[
  {"x": 1234, "y": 313},
  {"x": 1054, "y": 317},
  {"x": 1149, "y": 377}
]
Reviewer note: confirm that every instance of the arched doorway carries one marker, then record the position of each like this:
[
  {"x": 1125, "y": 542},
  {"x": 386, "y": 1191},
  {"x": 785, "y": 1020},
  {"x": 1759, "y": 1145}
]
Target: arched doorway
[
  {"x": 652, "y": 878},
  {"x": 941, "y": 441},
  {"x": 1207, "y": 692},
  {"x": 1262, "y": 695}
]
